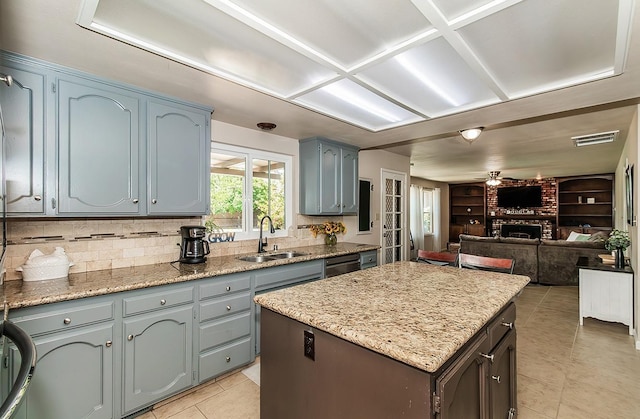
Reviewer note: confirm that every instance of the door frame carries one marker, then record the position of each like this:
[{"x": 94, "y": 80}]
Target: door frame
[{"x": 396, "y": 175}]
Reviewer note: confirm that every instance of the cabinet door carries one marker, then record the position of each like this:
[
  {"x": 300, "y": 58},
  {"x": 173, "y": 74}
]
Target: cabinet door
[
  {"x": 330, "y": 191},
  {"x": 73, "y": 376},
  {"x": 178, "y": 165},
  {"x": 23, "y": 115},
  {"x": 502, "y": 379},
  {"x": 461, "y": 389},
  {"x": 349, "y": 181},
  {"x": 157, "y": 356},
  {"x": 98, "y": 150}
]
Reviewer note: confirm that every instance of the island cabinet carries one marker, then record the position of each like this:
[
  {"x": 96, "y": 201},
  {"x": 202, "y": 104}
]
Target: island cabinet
[
  {"x": 79, "y": 145},
  {"x": 224, "y": 325},
  {"x": 23, "y": 111},
  {"x": 328, "y": 177},
  {"x": 157, "y": 338},
  {"x": 76, "y": 358}
]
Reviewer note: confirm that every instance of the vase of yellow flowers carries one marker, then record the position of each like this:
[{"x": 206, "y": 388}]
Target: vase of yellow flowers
[{"x": 329, "y": 229}]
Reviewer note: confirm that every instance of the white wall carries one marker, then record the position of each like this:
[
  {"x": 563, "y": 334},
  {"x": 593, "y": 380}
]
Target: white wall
[{"x": 630, "y": 155}]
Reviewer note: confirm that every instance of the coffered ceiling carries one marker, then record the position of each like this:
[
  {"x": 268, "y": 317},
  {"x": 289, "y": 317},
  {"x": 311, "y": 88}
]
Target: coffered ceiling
[{"x": 398, "y": 75}]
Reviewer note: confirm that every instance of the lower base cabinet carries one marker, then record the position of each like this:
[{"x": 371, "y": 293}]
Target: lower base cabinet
[
  {"x": 157, "y": 356},
  {"x": 74, "y": 375}
]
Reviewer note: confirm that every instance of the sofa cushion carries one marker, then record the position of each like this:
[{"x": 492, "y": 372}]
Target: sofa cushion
[
  {"x": 517, "y": 240},
  {"x": 558, "y": 259},
  {"x": 469, "y": 237},
  {"x": 584, "y": 244}
]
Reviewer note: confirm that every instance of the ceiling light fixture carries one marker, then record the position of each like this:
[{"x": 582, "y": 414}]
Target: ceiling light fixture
[
  {"x": 266, "y": 126},
  {"x": 493, "y": 179},
  {"x": 593, "y": 139},
  {"x": 471, "y": 134}
]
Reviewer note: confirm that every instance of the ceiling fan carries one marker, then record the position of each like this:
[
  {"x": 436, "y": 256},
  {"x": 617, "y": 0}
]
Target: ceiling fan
[{"x": 494, "y": 179}]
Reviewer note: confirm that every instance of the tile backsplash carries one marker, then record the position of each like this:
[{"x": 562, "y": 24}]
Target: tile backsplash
[{"x": 97, "y": 244}]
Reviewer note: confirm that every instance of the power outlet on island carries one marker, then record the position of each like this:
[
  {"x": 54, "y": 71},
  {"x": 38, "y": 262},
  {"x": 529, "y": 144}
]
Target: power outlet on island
[{"x": 309, "y": 345}]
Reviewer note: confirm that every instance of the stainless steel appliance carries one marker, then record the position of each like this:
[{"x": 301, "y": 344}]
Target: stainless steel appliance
[
  {"x": 194, "y": 247},
  {"x": 339, "y": 265}
]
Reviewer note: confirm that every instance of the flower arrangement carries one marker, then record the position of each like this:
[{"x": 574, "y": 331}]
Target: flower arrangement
[
  {"x": 328, "y": 227},
  {"x": 618, "y": 239}
]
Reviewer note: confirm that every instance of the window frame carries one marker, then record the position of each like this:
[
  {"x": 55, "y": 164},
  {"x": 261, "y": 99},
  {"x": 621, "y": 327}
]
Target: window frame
[
  {"x": 424, "y": 200},
  {"x": 250, "y": 154}
]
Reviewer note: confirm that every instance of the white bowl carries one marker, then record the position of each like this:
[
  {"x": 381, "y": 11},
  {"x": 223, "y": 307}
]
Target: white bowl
[{"x": 40, "y": 273}]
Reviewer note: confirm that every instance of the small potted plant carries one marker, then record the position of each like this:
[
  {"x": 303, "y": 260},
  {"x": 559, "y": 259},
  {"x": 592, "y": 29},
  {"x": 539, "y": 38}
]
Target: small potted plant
[
  {"x": 330, "y": 229},
  {"x": 618, "y": 241}
]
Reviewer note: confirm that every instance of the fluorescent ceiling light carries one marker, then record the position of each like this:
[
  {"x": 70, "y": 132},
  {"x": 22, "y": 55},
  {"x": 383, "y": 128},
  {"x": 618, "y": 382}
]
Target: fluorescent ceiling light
[
  {"x": 354, "y": 99},
  {"x": 593, "y": 139},
  {"x": 424, "y": 79}
]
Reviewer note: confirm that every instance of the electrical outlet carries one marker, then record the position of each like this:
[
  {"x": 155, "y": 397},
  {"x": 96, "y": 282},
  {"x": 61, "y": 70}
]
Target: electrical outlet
[{"x": 309, "y": 345}]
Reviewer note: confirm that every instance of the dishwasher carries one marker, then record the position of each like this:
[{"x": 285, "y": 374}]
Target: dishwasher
[{"x": 338, "y": 265}]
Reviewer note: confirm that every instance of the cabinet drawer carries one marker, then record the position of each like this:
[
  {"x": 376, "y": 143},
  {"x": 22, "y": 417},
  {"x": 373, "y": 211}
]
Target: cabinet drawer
[
  {"x": 368, "y": 259},
  {"x": 502, "y": 324},
  {"x": 45, "y": 320},
  {"x": 223, "y": 306},
  {"x": 225, "y": 285},
  {"x": 223, "y": 331},
  {"x": 286, "y": 275},
  {"x": 156, "y": 300},
  {"x": 224, "y": 359}
]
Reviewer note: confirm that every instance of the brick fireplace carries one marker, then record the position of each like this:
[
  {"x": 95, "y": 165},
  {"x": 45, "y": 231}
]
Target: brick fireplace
[{"x": 544, "y": 216}]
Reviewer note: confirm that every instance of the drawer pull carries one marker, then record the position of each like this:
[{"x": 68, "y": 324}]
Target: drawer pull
[
  {"x": 496, "y": 377},
  {"x": 163, "y": 302},
  {"x": 130, "y": 337},
  {"x": 489, "y": 357},
  {"x": 228, "y": 359},
  {"x": 228, "y": 308},
  {"x": 509, "y": 325},
  {"x": 108, "y": 344},
  {"x": 135, "y": 200},
  {"x": 228, "y": 288},
  {"x": 67, "y": 321}
]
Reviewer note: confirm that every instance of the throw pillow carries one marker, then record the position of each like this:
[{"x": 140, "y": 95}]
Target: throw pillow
[{"x": 578, "y": 237}]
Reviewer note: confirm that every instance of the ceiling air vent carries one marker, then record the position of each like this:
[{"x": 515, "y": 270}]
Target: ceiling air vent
[{"x": 592, "y": 139}]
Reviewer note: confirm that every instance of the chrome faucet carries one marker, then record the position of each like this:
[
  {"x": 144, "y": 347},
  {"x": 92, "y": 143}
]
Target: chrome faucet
[{"x": 262, "y": 243}]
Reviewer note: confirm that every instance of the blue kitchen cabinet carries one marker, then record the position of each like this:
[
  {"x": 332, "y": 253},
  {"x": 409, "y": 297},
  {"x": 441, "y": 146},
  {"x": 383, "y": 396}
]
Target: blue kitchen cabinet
[
  {"x": 178, "y": 159},
  {"x": 368, "y": 259},
  {"x": 157, "y": 336},
  {"x": 328, "y": 177},
  {"x": 98, "y": 149},
  {"x": 75, "y": 357},
  {"x": 23, "y": 111}
]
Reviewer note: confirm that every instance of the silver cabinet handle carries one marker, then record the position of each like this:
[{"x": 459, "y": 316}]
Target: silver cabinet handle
[
  {"x": 496, "y": 377},
  {"x": 38, "y": 197},
  {"x": 509, "y": 325},
  {"x": 108, "y": 344},
  {"x": 228, "y": 288},
  {"x": 154, "y": 201},
  {"x": 135, "y": 200},
  {"x": 489, "y": 357},
  {"x": 228, "y": 359},
  {"x": 67, "y": 321},
  {"x": 130, "y": 337},
  {"x": 228, "y": 308},
  {"x": 163, "y": 302}
]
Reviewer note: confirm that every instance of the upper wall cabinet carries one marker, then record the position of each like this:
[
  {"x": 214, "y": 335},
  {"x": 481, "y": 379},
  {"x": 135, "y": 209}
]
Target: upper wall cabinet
[
  {"x": 84, "y": 146},
  {"x": 328, "y": 177},
  {"x": 98, "y": 149},
  {"x": 178, "y": 169},
  {"x": 23, "y": 111}
]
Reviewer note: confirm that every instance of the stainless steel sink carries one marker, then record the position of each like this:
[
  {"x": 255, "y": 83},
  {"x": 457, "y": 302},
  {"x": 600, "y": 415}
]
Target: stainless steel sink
[
  {"x": 286, "y": 255},
  {"x": 256, "y": 258}
]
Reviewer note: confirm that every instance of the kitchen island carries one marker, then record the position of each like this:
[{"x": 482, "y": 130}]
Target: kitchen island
[{"x": 403, "y": 340}]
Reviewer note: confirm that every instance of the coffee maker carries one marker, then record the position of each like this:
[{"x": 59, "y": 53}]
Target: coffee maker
[{"x": 194, "y": 247}]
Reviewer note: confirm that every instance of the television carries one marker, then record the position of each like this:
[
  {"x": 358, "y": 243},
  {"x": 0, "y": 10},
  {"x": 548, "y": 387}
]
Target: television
[{"x": 520, "y": 196}]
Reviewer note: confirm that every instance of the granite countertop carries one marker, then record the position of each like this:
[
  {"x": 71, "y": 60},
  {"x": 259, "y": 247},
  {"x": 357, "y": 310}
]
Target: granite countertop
[
  {"x": 415, "y": 313},
  {"x": 17, "y": 294}
]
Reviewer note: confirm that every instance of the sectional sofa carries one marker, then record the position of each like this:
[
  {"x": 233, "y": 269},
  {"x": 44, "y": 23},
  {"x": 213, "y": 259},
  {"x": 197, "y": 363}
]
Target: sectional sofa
[{"x": 543, "y": 261}]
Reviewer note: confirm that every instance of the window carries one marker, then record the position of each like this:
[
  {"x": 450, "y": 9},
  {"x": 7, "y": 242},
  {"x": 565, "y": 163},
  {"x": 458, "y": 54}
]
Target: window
[
  {"x": 427, "y": 211},
  {"x": 247, "y": 185}
]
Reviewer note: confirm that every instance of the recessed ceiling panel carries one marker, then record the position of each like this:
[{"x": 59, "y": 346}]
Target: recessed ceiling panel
[
  {"x": 351, "y": 102},
  {"x": 199, "y": 32},
  {"x": 348, "y": 32},
  {"x": 431, "y": 78},
  {"x": 539, "y": 45},
  {"x": 452, "y": 9}
]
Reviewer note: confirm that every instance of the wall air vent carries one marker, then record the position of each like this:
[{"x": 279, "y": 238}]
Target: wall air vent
[{"x": 592, "y": 139}]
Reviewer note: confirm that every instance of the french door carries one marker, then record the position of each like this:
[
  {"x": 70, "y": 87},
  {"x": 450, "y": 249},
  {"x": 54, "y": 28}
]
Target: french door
[{"x": 394, "y": 210}]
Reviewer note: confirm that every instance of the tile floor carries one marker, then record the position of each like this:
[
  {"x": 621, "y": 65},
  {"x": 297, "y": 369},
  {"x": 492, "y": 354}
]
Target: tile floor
[{"x": 565, "y": 371}]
